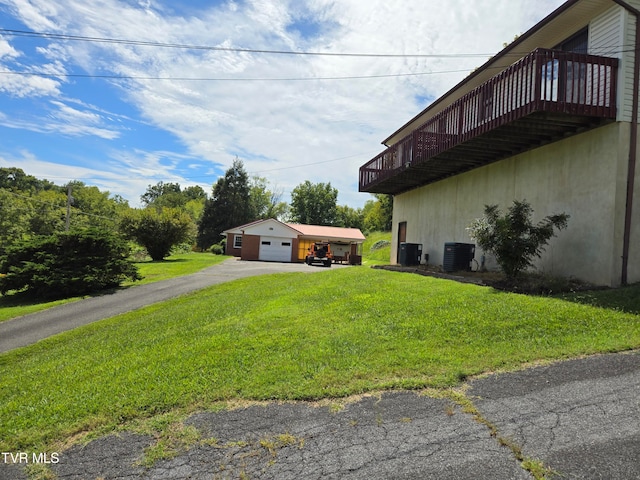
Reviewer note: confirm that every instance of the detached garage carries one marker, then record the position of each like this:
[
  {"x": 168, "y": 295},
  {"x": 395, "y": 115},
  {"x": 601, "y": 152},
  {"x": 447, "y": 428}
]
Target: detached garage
[{"x": 274, "y": 241}]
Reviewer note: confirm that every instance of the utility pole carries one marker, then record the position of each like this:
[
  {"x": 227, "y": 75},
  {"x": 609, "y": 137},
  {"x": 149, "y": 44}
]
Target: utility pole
[{"x": 69, "y": 200}]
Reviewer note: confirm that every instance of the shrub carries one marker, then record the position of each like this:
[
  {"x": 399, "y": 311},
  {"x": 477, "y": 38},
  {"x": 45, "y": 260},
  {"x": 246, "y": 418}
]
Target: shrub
[
  {"x": 380, "y": 244},
  {"x": 181, "y": 248},
  {"x": 158, "y": 230},
  {"x": 67, "y": 264},
  {"x": 217, "y": 249},
  {"x": 512, "y": 238}
]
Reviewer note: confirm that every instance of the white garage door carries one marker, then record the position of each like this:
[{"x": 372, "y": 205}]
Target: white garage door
[{"x": 274, "y": 249}]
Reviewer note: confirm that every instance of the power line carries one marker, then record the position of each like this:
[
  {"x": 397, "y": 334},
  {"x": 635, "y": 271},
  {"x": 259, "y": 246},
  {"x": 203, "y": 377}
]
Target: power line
[
  {"x": 46, "y": 35},
  {"x": 221, "y": 79},
  {"x": 54, "y": 205},
  {"x": 56, "y": 36},
  {"x": 119, "y": 41}
]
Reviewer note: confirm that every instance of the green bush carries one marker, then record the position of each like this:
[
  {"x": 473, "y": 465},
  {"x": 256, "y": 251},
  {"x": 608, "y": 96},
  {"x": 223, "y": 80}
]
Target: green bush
[
  {"x": 512, "y": 238},
  {"x": 158, "y": 230},
  {"x": 67, "y": 264},
  {"x": 217, "y": 249},
  {"x": 380, "y": 244},
  {"x": 181, "y": 248}
]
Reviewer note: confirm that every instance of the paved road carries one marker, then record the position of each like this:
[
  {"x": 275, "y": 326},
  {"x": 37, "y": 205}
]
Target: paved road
[
  {"x": 31, "y": 328},
  {"x": 580, "y": 418}
]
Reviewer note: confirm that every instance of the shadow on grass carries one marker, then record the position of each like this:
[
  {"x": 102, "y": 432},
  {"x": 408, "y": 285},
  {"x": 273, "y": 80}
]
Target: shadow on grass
[
  {"x": 30, "y": 299},
  {"x": 625, "y": 299},
  {"x": 21, "y": 299}
]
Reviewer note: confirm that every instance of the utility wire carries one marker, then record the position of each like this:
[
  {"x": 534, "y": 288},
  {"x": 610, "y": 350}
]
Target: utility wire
[
  {"x": 144, "y": 43},
  {"x": 56, "y": 36},
  {"x": 221, "y": 79},
  {"x": 54, "y": 205},
  {"x": 33, "y": 34}
]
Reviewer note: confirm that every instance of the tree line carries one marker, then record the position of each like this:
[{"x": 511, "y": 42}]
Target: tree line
[
  {"x": 172, "y": 215},
  {"x": 237, "y": 199}
]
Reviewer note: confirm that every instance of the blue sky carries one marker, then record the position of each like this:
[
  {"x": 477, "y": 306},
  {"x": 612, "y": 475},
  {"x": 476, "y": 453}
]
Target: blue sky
[{"x": 121, "y": 115}]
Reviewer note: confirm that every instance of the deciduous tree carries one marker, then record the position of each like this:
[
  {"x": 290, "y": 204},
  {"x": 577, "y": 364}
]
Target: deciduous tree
[
  {"x": 163, "y": 195},
  {"x": 349, "y": 217},
  {"x": 266, "y": 202},
  {"x": 314, "y": 204},
  {"x": 378, "y": 213},
  {"x": 158, "y": 230}
]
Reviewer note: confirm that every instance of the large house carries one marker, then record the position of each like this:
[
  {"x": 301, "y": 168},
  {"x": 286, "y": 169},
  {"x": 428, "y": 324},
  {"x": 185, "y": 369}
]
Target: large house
[{"x": 551, "y": 119}]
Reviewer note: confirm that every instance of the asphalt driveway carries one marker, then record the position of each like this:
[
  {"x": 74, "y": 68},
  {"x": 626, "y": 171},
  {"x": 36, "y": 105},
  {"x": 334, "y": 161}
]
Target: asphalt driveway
[
  {"x": 578, "y": 418},
  {"x": 29, "y": 329}
]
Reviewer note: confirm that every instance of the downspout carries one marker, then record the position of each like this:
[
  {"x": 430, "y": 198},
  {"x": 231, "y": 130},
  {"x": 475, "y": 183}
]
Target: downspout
[{"x": 633, "y": 146}]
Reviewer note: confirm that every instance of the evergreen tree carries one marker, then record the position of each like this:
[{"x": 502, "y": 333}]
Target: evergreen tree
[
  {"x": 229, "y": 206},
  {"x": 66, "y": 264}
]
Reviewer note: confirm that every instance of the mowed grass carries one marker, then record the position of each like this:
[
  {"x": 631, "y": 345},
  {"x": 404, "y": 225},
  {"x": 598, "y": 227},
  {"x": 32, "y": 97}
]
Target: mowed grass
[
  {"x": 15, "y": 305},
  {"x": 288, "y": 337},
  {"x": 176, "y": 266},
  {"x": 380, "y": 256}
]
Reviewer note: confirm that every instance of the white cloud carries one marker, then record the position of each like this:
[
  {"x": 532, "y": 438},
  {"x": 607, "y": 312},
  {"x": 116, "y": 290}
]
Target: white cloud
[
  {"x": 41, "y": 16},
  {"x": 6, "y": 50},
  {"x": 62, "y": 119},
  {"x": 278, "y": 125},
  {"x": 21, "y": 86}
]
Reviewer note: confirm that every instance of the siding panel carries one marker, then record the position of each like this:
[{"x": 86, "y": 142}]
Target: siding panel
[{"x": 606, "y": 36}]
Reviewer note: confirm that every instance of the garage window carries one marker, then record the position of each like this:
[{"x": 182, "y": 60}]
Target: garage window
[
  {"x": 266, "y": 243},
  {"x": 237, "y": 241},
  {"x": 286, "y": 244}
]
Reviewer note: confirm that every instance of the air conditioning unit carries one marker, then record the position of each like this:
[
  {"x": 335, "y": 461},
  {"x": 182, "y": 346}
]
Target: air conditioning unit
[
  {"x": 458, "y": 256},
  {"x": 410, "y": 254}
]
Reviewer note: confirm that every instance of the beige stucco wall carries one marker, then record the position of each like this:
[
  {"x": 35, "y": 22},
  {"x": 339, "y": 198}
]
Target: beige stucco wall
[{"x": 583, "y": 175}]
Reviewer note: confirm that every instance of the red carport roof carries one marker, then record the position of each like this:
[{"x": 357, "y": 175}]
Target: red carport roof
[{"x": 329, "y": 233}]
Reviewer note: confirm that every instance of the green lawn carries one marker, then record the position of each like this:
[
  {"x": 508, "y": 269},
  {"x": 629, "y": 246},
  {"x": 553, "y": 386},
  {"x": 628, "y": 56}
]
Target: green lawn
[
  {"x": 12, "y": 305},
  {"x": 626, "y": 299},
  {"x": 288, "y": 336},
  {"x": 176, "y": 266},
  {"x": 376, "y": 257}
]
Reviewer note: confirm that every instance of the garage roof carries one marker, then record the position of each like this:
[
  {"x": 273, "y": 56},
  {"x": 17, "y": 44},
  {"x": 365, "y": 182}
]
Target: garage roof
[
  {"x": 329, "y": 233},
  {"x": 315, "y": 232}
]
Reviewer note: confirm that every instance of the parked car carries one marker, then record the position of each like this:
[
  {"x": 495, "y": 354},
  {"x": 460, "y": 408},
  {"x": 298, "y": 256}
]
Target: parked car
[{"x": 319, "y": 252}]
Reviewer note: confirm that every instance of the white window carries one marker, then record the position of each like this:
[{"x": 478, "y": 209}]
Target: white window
[{"x": 237, "y": 241}]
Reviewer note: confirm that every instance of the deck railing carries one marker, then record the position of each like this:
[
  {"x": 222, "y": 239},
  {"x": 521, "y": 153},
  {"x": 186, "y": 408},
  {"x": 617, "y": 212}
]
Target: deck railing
[{"x": 543, "y": 81}]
